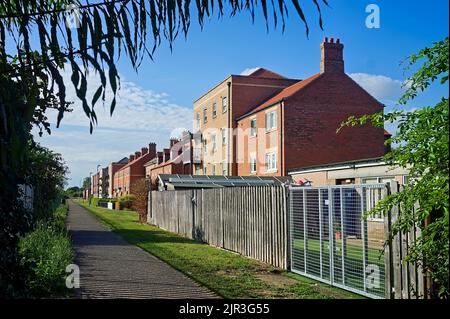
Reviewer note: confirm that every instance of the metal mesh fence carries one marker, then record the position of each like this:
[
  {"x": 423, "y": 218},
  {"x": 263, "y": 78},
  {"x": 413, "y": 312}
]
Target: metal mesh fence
[{"x": 332, "y": 241}]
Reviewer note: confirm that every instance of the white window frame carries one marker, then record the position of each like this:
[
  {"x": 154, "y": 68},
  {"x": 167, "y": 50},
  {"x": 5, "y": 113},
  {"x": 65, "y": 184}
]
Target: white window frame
[
  {"x": 214, "y": 143},
  {"x": 224, "y": 136},
  {"x": 271, "y": 161},
  {"x": 271, "y": 121},
  {"x": 224, "y": 104},
  {"x": 214, "y": 110},
  {"x": 253, "y": 129},
  {"x": 224, "y": 168},
  {"x": 253, "y": 166},
  {"x": 205, "y": 115}
]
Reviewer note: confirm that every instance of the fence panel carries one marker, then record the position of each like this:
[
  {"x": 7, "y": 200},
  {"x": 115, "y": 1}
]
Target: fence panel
[
  {"x": 332, "y": 242},
  {"x": 247, "y": 220}
]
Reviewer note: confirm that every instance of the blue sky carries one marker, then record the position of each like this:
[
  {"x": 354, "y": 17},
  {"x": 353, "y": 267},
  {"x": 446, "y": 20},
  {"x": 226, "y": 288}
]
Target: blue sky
[{"x": 159, "y": 97}]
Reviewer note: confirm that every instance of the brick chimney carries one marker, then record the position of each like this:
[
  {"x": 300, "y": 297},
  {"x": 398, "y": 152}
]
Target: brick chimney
[
  {"x": 152, "y": 149},
  {"x": 137, "y": 154},
  {"x": 173, "y": 141},
  {"x": 160, "y": 156},
  {"x": 166, "y": 155},
  {"x": 144, "y": 151},
  {"x": 131, "y": 158},
  {"x": 332, "y": 56}
]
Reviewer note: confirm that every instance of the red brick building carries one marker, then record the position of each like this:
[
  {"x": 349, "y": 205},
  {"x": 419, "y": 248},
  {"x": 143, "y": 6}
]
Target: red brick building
[
  {"x": 132, "y": 171},
  {"x": 296, "y": 126},
  {"x": 173, "y": 160}
]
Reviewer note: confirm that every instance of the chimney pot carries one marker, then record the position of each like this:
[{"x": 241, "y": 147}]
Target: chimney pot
[
  {"x": 131, "y": 158},
  {"x": 325, "y": 40},
  {"x": 144, "y": 150},
  {"x": 331, "y": 40},
  {"x": 137, "y": 154},
  {"x": 338, "y": 40}
]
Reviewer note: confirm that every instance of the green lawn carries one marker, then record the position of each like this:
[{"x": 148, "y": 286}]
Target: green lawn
[
  {"x": 353, "y": 263},
  {"x": 228, "y": 274}
]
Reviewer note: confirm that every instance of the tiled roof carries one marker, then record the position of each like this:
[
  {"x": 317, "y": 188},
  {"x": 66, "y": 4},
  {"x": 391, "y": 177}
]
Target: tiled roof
[{"x": 284, "y": 94}]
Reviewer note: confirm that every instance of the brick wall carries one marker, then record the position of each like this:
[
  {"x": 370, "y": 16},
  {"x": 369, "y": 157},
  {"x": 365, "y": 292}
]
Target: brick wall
[{"x": 312, "y": 117}]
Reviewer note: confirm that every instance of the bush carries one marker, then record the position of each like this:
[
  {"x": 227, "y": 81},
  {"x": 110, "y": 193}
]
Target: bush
[
  {"x": 45, "y": 253},
  {"x": 126, "y": 201}
]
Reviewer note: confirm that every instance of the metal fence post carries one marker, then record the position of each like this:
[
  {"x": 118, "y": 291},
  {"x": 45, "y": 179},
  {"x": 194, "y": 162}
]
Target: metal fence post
[
  {"x": 343, "y": 241},
  {"x": 305, "y": 245},
  {"x": 331, "y": 232},
  {"x": 364, "y": 236},
  {"x": 320, "y": 233}
]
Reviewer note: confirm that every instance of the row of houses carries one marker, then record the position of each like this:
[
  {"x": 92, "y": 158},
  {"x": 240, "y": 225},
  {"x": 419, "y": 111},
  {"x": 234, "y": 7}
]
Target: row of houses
[{"x": 265, "y": 124}]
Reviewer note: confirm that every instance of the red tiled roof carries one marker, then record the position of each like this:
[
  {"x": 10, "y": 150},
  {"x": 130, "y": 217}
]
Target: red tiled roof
[
  {"x": 285, "y": 93},
  {"x": 264, "y": 73}
]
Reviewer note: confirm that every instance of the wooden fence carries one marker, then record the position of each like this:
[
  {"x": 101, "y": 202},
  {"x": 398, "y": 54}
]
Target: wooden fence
[
  {"x": 248, "y": 220},
  {"x": 404, "y": 280}
]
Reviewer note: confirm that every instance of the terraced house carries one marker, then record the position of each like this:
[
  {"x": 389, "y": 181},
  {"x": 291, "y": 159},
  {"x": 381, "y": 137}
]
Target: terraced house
[
  {"x": 266, "y": 124},
  {"x": 132, "y": 171}
]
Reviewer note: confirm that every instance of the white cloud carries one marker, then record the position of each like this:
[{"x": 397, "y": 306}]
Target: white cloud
[
  {"x": 136, "y": 108},
  {"x": 249, "y": 71},
  {"x": 141, "y": 116},
  {"x": 379, "y": 86}
]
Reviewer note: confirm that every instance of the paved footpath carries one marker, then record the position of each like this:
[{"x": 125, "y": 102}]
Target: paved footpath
[{"x": 112, "y": 268}]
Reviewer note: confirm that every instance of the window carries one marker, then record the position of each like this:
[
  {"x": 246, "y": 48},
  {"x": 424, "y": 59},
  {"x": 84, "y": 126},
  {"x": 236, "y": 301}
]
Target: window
[
  {"x": 224, "y": 136},
  {"x": 198, "y": 120},
  {"x": 271, "y": 121},
  {"x": 253, "y": 127},
  {"x": 213, "y": 169},
  {"x": 205, "y": 148},
  {"x": 214, "y": 110},
  {"x": 205, "y": 115},
  {"x": 252, "y": 163},
  {"x": 224, "y": 168},
  {"x": 214, "y": 144},
  {"x": 224, "y": 104},
  {"x": 271, "y": 161}
]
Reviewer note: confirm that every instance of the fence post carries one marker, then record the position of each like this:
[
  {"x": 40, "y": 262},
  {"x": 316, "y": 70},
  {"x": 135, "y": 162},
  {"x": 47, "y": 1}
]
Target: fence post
[
  {"x": 396, "y": 248},
  {"x": 288, "y": 212},
  {"x": 388, "y": 266}
]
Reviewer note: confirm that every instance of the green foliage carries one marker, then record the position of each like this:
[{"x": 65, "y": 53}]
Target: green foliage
[
  {"x": 45, "y": 253},
  {"x": 126, "y": 201},
  {"x": 86, "y": 183},
  {"x": 421, "y": 146},
  {"x": 73, "y": 192}
]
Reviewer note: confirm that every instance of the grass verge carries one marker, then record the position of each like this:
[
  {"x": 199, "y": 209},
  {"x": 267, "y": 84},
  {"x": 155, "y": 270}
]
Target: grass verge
[{"x": 228, "y": 274}]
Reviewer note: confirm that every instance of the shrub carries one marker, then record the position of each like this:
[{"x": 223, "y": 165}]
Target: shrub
[
  {"x": 45, "y": 253},
  {"x": 126, "y": 201}
]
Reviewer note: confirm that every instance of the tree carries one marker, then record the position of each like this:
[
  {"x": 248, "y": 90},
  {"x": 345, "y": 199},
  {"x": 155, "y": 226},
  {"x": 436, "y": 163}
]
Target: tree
[
  {"x": 421, "y": 146},
  {"x": 86, "y": 183},
  {"x": 140, "y": 191}
]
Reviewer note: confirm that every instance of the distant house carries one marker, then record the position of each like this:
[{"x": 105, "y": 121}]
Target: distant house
[
  {"x": 132, "y": 171},
  {"x": 112, "y": 169},
  {"x": 173, "y": 160}
]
